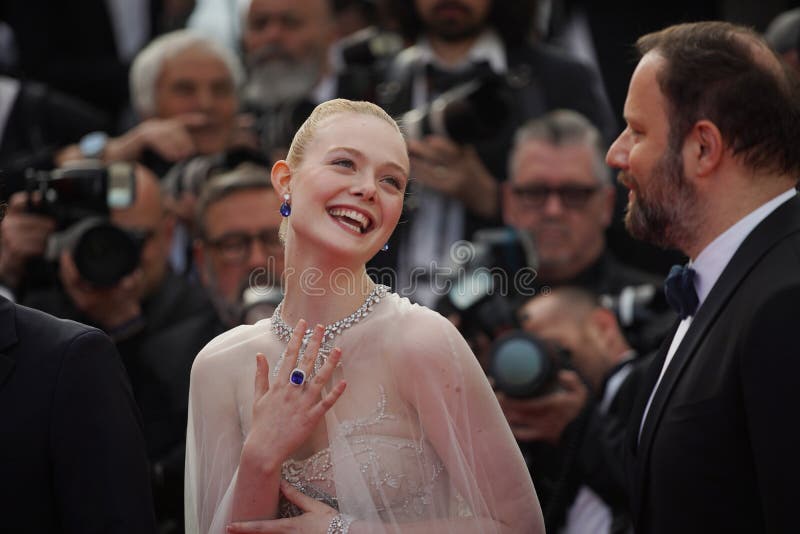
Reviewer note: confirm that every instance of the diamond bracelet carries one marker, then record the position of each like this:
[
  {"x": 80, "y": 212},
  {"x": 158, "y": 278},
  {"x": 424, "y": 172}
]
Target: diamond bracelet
[{"x": 340, "y": 524}]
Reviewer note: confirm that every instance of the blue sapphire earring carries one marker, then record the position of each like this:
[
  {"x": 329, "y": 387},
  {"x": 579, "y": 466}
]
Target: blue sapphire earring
[
  {"x": 286, "y": 209},
  {"x": 385, "y": 247}
]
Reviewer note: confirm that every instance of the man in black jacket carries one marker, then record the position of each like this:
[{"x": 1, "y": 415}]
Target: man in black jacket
[
  {"x": 72, "y": 455},
  {"x": 710, "y": 157}
]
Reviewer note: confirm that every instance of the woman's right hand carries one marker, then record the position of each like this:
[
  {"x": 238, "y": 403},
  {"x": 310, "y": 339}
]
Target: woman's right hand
[{"x": 284, "y": 414}]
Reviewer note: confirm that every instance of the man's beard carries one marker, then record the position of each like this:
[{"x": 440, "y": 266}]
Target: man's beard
[
  {"x": 666, "y": 213},
  {"x": 275, "y": 79},
  {"x": 450, "y": 30}
]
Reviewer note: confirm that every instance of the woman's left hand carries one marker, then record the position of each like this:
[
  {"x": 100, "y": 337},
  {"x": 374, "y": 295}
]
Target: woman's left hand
[{"x": 316, "y": 516}]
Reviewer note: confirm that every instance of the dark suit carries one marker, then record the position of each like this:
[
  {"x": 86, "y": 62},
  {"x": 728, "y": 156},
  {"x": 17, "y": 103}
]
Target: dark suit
[
  {"x": 720, "y": 448},
  {"x": 72, "y": 454},
  {"x": 179, "y": 321}
]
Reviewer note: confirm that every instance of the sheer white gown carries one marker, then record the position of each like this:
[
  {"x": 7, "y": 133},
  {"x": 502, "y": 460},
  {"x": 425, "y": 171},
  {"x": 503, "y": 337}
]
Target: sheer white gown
[{"x": 416, "y": 442}]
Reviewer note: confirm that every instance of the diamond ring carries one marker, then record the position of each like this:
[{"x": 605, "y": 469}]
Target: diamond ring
[{"x": 297, "y": 377}]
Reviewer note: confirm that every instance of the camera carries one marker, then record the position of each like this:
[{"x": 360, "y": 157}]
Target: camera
[
  {"x": 489, "y": 274},
  {"x": 370, "y": 47},
  {"x": 275, "y": 127},
  {"x": 643, "y": 315},
  {"x": 524, "y": 366},
  {"x": 468, "y": 113},
  {"x": 80, "y": 198}
]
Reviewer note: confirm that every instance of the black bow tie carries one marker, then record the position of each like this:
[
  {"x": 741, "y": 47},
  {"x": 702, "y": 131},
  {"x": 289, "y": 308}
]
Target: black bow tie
[
  {"x": 440, "y": 80},
  {"x": 680, "y": 292}
]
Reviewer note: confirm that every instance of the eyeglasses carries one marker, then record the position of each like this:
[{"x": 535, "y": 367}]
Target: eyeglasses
[
  {"x": 235, "y": 247},
  {"x": 570, "y": 196}
]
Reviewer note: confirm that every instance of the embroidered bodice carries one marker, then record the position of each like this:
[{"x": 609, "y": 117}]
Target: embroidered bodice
[{"x": 402, "y": 472}]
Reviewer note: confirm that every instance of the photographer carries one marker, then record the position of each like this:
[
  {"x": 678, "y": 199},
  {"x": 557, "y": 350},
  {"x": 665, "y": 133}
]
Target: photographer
[
  {"x": 237, "y": 245},
  {"x": 184, "y": 89},
  {"x": 560, "y": 199},
  {"x": 156, "y": 319},
  {"x": 572, "y": 435},
  {"x": 458, "y": 41}
]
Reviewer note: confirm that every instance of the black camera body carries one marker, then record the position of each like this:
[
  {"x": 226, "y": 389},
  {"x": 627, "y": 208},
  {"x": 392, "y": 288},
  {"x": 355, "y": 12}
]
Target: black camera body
[
  {"x": 469, "y": 113},
  {"x": 80, "y": 198}
]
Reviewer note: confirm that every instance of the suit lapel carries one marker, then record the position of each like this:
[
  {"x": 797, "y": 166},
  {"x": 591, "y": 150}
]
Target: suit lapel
[
  {"x": 781, "y": 223},
  {"x": 632, "y": 432},
  {"x": 8, "y": 337}
]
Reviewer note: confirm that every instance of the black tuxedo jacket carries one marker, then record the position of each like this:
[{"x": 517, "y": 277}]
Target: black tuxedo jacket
[
  {"x": 720, "y": 447},
  {"x": 72, "y": 455}
]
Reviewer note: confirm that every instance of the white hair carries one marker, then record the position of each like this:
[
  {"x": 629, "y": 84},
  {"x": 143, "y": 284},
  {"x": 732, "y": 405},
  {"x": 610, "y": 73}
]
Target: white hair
[{"x": 149, "y": 62}]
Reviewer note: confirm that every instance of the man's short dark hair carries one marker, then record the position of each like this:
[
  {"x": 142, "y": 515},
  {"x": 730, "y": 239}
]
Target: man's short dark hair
[
  {"x": 564, "y": 127},
  {"x": 711, "y": 72},
  {"x": 245, "y": 177}
]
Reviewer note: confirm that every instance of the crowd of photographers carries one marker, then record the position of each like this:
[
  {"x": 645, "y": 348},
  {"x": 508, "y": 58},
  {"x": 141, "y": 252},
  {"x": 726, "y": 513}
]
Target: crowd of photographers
[{"x": 163, "y": 231}]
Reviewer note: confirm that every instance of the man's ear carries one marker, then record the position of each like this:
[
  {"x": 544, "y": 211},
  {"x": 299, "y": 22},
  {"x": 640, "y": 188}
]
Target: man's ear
[
  {"x": 703, "y": 149},
  {"x": 281, "y": 177}
]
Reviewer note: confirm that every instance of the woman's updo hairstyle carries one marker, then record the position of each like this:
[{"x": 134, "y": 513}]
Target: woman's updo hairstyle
[{"x": 308, "y": 129}]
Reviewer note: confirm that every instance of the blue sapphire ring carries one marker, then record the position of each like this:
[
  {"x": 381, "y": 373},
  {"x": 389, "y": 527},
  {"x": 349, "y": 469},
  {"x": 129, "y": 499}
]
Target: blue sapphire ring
[{"x": 298, "y": 377}]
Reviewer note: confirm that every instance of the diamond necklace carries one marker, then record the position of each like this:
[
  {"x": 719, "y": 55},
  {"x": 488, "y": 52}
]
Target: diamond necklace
[{"x": 284, "y": 332}]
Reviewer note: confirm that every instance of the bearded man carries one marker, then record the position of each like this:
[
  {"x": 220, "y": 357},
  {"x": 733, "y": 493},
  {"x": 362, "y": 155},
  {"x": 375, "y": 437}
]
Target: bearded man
[{"x": 710, "y": 157}]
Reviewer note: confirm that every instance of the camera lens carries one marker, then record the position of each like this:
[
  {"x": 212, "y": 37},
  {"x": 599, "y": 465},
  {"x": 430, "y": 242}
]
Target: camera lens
[
  {"x": 104, "y": 254},
  {"x": 521, "y": 365}
]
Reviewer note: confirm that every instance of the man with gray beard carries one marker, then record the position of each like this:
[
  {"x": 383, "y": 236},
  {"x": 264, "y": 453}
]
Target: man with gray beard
[{"x": 287, "y": 52}]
